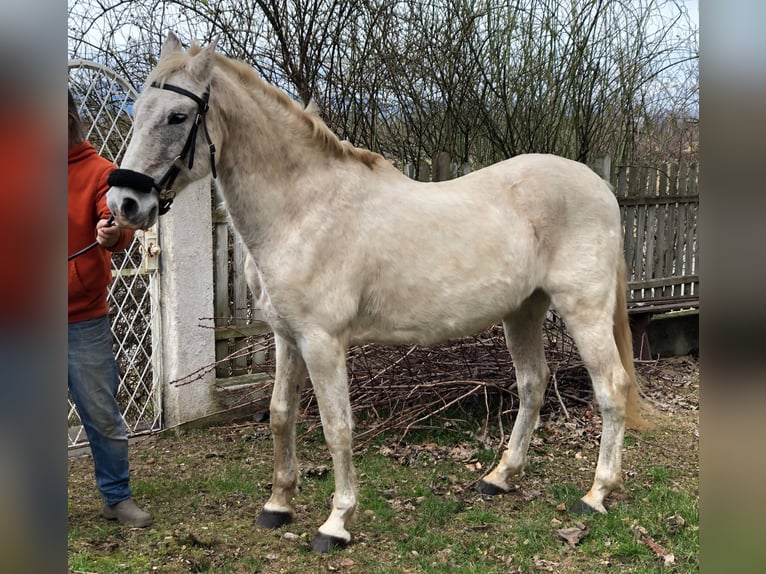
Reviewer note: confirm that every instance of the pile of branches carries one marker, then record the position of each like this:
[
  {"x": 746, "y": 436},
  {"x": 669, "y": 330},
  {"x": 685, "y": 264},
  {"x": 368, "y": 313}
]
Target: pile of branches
[{"x": 400, "y": 388}]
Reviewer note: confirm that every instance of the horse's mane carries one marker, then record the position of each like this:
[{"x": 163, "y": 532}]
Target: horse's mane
[{"x": 246, "y": 76}]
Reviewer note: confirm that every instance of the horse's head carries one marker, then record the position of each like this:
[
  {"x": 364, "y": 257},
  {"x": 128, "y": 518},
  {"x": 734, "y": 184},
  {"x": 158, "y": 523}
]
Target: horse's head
[{"x": 170, "y": 146}]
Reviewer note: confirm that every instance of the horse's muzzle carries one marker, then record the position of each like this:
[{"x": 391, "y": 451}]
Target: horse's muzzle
[
  {"x": 132, "y": 210},
  {"x": 129, "y": 216}
]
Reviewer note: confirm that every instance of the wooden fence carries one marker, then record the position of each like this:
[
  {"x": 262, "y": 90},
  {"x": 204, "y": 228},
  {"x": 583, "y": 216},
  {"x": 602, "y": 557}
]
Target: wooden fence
[
  {"x": 238, "y": 324},
  {"x": 659, "y": 209}
]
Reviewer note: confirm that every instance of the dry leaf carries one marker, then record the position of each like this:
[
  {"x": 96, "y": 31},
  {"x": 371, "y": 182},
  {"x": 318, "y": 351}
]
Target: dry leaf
[
  {"x": 530, "y": 495},
  {"x": 573, "y": 534},
  {"x": 675, "y": 523},
  {"x": 316, "y": 471},
  {"x": 544, "y": 565}
]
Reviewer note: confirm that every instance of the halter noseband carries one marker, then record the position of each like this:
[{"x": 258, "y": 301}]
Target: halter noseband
[{"x": 143, "y": 183}]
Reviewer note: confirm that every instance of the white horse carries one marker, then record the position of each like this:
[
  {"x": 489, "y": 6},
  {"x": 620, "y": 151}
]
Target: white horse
[{"x": 344, "y": 249}]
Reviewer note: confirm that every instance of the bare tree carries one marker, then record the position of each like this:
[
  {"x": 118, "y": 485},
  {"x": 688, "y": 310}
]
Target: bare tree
[{"x": 477, "y": 80}]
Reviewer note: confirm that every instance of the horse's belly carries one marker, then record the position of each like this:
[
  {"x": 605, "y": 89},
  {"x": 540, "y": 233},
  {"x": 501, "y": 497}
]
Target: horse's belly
[
  {"x": 429, "y": 334},
  {"x": 431, "y": 323}
]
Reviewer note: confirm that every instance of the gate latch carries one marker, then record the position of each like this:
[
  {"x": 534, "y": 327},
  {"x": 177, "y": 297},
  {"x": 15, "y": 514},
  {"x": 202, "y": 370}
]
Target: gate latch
[{"x": 150, "y": 249}]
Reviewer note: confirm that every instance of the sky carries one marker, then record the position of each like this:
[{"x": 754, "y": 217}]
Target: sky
[{"x": 692, "y": 6}]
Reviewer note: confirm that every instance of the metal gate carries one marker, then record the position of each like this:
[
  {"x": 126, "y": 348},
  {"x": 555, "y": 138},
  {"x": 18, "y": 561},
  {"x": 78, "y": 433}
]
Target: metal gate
[{"x": 105, "y": 102}]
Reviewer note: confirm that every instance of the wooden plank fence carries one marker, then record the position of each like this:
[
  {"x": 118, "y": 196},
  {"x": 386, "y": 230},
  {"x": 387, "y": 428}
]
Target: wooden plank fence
[
  {"x": 659, "y": 207},
  {"x": 239, "y": 329}
]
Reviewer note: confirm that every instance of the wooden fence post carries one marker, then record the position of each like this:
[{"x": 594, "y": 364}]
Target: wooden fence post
[
  {"x": 441, "y": 166},
  {"x": 603, "y": 167},
  {"x": 186, "y": 299},
  {"x": 424, "y": 171}
]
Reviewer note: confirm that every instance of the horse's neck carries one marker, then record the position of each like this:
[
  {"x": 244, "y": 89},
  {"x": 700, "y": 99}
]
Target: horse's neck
[
  {"x": 255, "y": 146},
  {"x": 261, "y": 168},
  {"x": 252, "y": 163}
]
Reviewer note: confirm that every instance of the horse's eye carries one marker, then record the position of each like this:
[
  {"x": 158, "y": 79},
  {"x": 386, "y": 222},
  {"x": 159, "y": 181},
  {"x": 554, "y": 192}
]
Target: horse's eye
[{"x": 176, "y": 118}]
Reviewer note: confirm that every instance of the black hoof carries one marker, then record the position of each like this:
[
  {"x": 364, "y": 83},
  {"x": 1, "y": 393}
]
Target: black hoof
[
  {"x": 580, "y": 507},
  {"x": 323, "y": 543},
  {"x": 490, "y": 489},
  {"x": 273, "y": 519}
]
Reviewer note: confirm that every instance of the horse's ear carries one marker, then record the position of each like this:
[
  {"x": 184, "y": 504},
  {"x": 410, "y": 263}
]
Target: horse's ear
[
  {"x": 171, "y": 45},
  {"x": 202, "y": 63}
]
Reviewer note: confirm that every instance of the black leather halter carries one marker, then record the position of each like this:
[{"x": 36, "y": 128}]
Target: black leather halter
[{"x": 145, "y": 184}]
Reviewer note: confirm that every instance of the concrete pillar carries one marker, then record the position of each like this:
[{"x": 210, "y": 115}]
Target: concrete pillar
[{"x": 187, "y": 349}]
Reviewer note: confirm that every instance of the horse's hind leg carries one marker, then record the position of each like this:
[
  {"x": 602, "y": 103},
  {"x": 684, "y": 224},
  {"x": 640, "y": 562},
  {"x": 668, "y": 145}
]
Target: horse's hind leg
[
  {"x": 523, "y": 334},
  {"x": 288, "y": 383},
  {"x": 591, "y": 327}
]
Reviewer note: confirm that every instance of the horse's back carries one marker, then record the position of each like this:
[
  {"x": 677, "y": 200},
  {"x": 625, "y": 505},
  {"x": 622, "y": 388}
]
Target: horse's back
[
  {"x": 543, "y": 181},
  {"x": 559, "y": 205},
  {"x": 444, "y": 259},
  {"x": 572, "y": 210}
]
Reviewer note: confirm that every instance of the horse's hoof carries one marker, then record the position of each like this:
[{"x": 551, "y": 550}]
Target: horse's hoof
[
  {"x": 490, "y": 489},
  {"x": 581, "y": 507},
  {"x": 323, "y": 543},
  {"x": 273, "y": 519}
]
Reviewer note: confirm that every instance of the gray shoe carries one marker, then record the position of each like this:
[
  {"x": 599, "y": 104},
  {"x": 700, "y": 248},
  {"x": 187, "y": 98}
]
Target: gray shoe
[{"x": 127, "y": 513}]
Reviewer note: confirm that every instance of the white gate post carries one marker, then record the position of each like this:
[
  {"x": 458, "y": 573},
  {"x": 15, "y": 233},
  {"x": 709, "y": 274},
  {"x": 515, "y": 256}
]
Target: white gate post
[{"x": 187, "y": 349}]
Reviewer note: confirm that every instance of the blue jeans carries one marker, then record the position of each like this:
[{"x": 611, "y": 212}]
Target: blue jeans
[{"x": 93, "y": 381}]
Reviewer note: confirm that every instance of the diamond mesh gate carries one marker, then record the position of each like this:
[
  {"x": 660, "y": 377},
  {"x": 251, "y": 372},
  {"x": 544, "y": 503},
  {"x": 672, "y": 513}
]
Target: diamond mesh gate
[{"x": 105, "y": 102}]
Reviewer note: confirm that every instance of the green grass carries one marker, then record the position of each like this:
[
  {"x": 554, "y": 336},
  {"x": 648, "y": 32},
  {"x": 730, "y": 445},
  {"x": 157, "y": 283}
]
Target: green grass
[{"x": 421, "y": 515}]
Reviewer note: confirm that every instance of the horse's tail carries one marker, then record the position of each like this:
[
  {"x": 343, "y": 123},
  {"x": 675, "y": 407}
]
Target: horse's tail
[{"x": 622, "y": 336}]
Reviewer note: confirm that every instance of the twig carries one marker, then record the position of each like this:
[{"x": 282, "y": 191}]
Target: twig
[{"x": 561, "y": 403}]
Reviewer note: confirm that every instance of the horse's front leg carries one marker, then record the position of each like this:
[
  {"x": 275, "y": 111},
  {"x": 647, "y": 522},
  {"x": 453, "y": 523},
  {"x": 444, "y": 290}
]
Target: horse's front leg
[
  {"x": 288, "y": 384},
  {"x": 325, "y": 357}
]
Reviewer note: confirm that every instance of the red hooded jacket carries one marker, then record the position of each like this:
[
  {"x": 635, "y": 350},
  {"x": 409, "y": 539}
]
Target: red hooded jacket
[{"x": 91, "y": 272}]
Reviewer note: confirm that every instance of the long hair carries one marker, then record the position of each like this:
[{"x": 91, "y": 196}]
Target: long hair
[{"x": 76, "y": 129}]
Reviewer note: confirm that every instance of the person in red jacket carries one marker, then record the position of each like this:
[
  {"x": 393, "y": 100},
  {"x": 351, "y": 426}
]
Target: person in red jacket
[{"x": 93, "y": 376}]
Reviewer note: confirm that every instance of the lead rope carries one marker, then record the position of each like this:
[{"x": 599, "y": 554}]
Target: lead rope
[{"x": 109, "y": 223}]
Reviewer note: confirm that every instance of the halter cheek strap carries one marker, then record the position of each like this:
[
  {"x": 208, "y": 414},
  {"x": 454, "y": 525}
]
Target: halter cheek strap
[
  {"x": 202, "y": 108},
  {"x": 144, "y": 183}
]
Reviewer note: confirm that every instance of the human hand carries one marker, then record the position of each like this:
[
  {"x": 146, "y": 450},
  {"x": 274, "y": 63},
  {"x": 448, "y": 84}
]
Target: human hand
[{"x": 107, "y": 234}]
